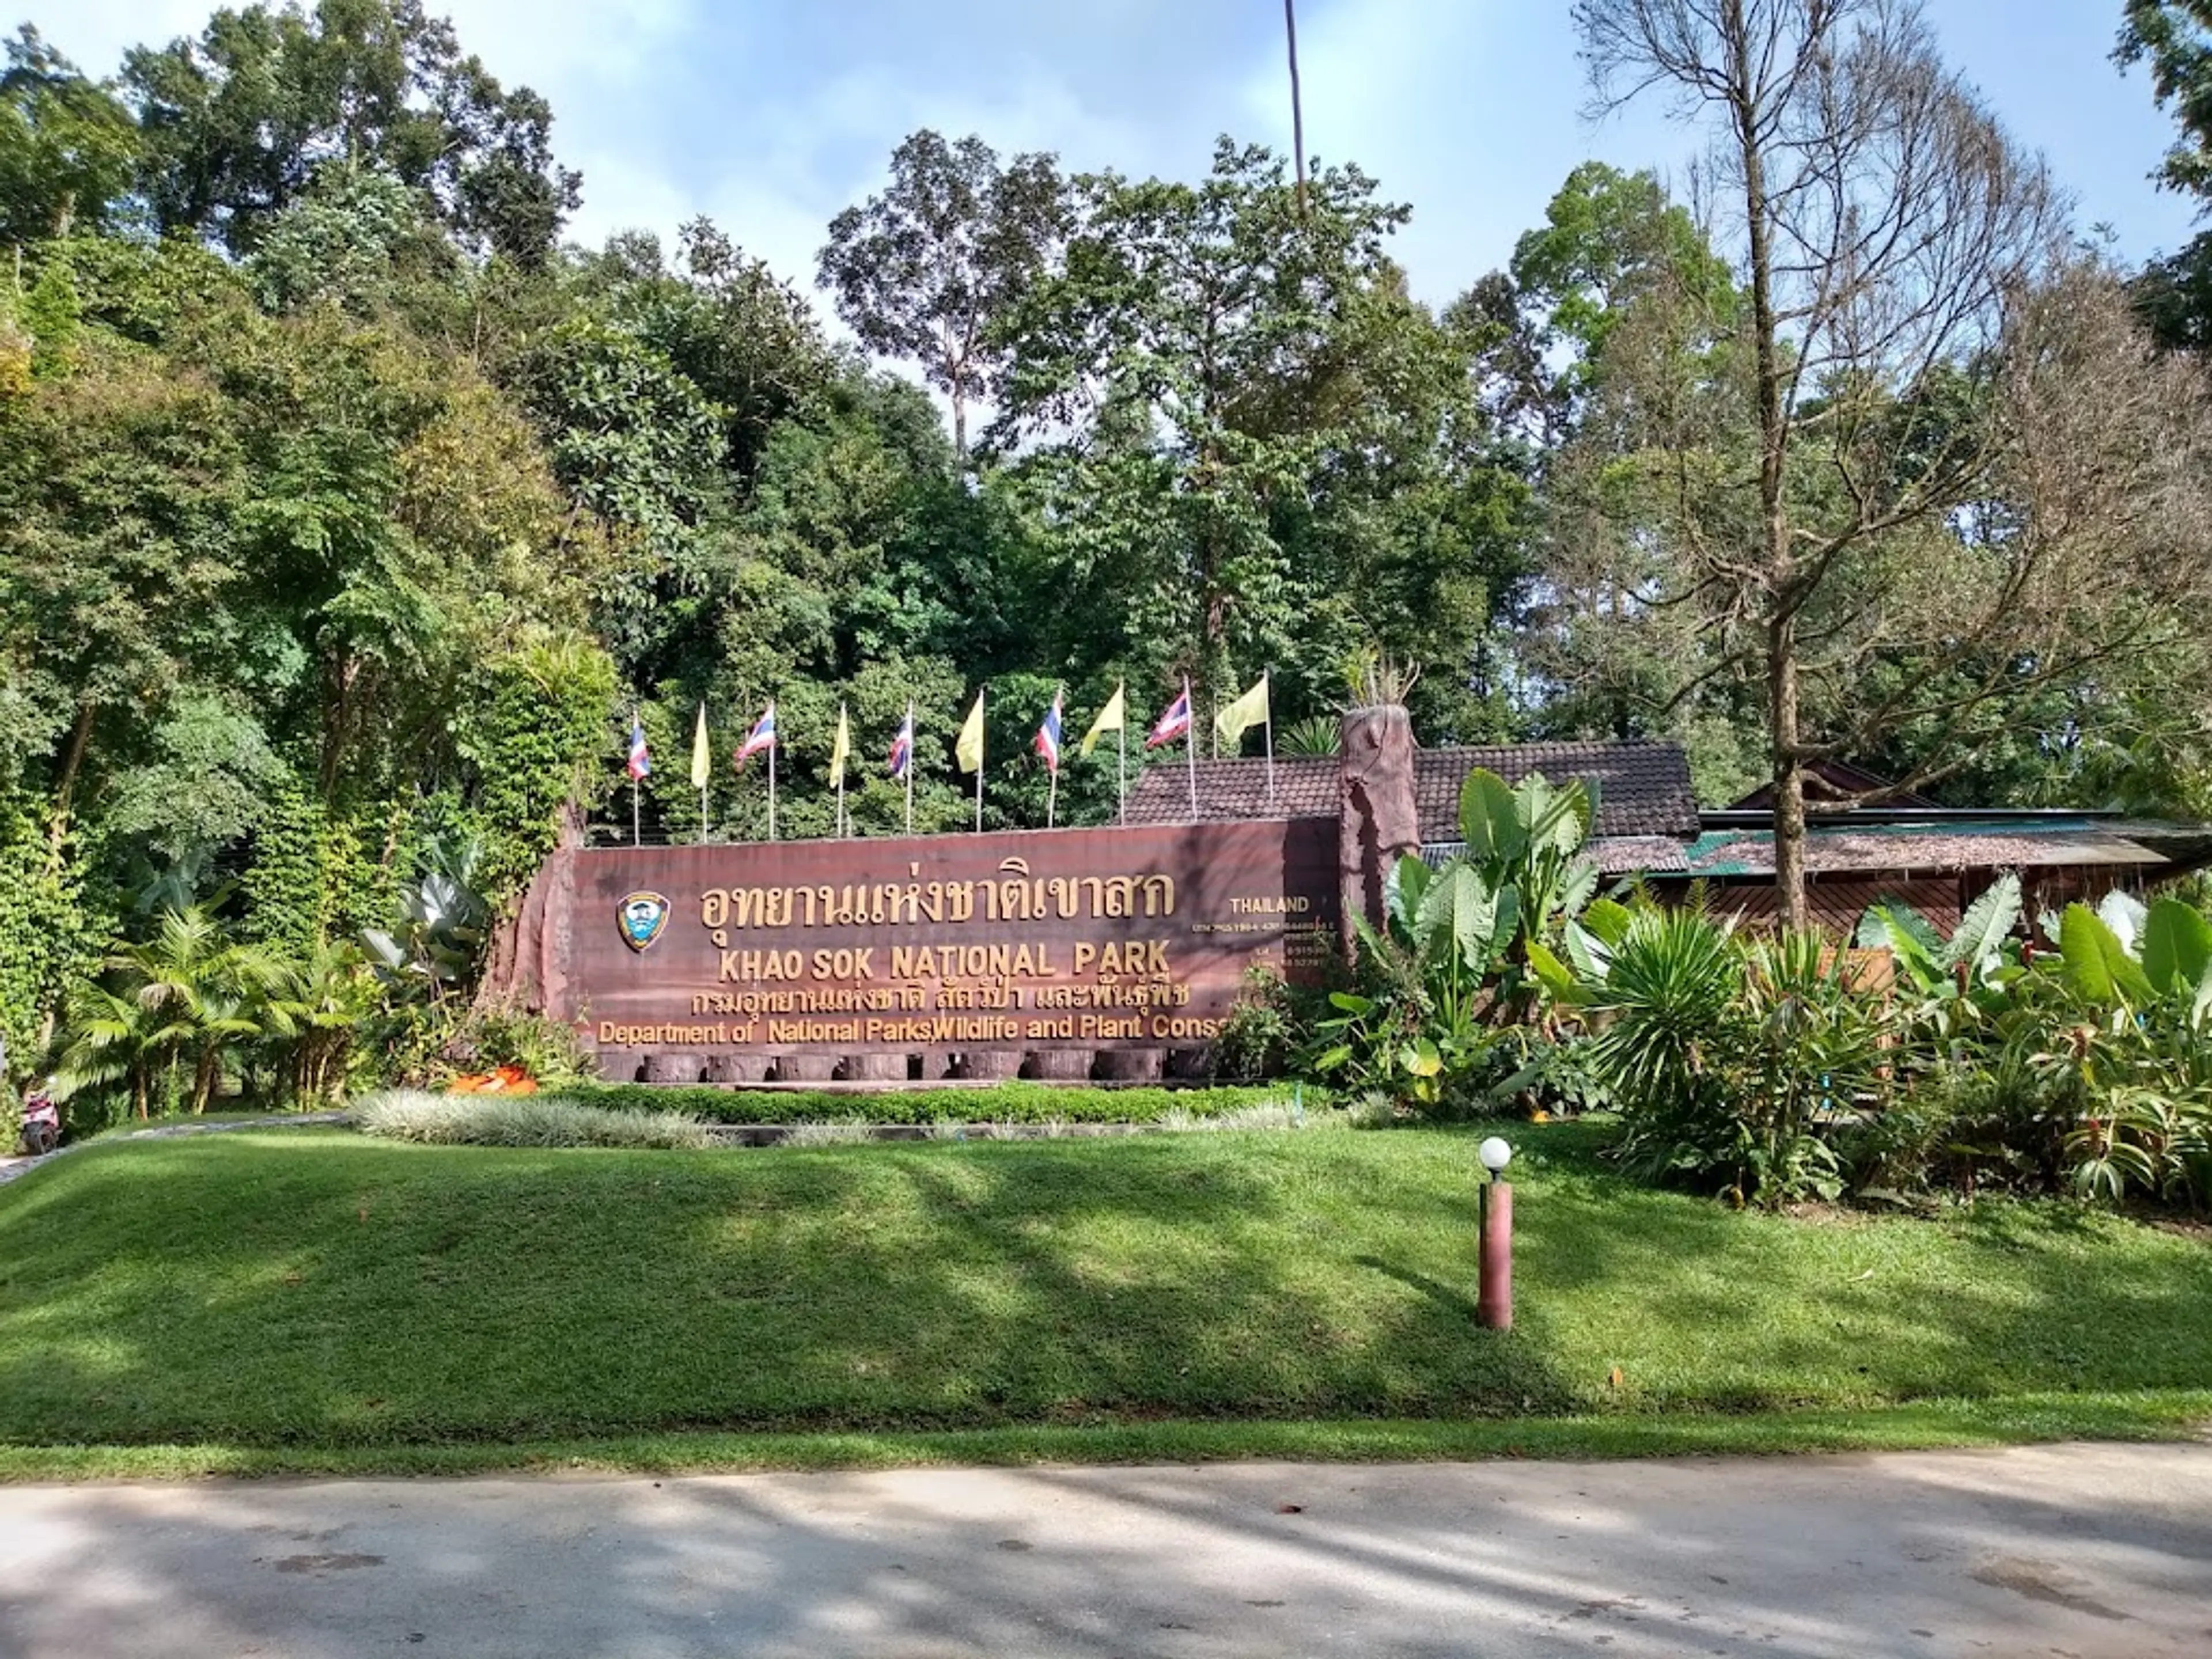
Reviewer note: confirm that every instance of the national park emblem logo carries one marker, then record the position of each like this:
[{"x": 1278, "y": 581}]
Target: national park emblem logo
[{"x": 642, "y": 916}]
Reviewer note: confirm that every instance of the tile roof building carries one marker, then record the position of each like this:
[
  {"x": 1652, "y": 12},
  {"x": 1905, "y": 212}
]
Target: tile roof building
[
  {"x": 1646, "y": 810},
  {"x": 1933, "y": 858}
]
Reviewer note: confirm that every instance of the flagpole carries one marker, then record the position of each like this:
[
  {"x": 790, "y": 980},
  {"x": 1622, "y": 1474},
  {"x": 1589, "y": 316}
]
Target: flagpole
[
  {"x": 636, "y": 839},
  {"x": 1190, "y": 746},
  {"x": 702, "y": 765},
  {"x": 1122, "y": 770},
  {"x": 909, "y": 765},
  {"x": 1052, "y": 781},
  {"x": 1271, "y": 736},
  {"x": 771, "y": 790}
]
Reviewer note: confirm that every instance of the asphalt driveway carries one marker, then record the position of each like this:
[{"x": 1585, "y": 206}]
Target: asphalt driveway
[{"x": 2065, "y": 1551}]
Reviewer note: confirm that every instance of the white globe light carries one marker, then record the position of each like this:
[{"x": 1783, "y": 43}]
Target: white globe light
[{"x": 1494, "y": 1153}]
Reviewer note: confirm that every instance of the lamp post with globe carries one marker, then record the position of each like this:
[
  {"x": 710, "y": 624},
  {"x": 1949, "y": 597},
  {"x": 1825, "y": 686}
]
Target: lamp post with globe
[{"x": 1493, "y": 1301}]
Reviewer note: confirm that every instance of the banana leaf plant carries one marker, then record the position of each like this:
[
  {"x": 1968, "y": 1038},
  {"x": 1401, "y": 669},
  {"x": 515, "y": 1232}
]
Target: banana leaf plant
[
  {"x": 1955, "y": 988},
  {"x": 1530, "y": 841},
  {"x": 440, "y": 930},
  {"x": 1413, "y": 1027},
  {"x": 1450, "y": 967},
  {"x": 2137, "y": 1045}
]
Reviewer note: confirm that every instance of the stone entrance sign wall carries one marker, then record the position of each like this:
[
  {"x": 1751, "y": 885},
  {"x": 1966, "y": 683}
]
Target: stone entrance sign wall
[{"x": 1064, "y": 953}]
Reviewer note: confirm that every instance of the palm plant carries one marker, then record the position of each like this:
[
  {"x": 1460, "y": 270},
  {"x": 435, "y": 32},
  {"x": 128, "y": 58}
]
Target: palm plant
[
  {"x": 1671, "y": 983},
  {"x": 114, "y": 1038},
  {"x": 1318, "y": 736},
  {"x": 1728, "y": 1057},
  {"x": 322, "y": 1002},
  {"x": 188, "y": 995}
]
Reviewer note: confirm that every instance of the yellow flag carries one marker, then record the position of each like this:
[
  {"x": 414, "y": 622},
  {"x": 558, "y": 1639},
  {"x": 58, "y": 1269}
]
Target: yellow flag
[
  {"x": 702, "y": 759},
  {"x": 1109, "y": 719},
  {"x": 841, "y": 751},
  {"x": 1248, "y": 711},
  {"x": 969, "y": 750}
]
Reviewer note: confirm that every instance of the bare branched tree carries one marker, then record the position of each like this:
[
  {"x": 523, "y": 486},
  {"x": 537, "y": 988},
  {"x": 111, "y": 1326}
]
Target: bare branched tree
[{"x": 1890, "y": 238}]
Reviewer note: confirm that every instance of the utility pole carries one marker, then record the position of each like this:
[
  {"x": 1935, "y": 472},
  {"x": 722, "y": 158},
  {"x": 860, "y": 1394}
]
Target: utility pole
[{"x": 1297, "y": 114}]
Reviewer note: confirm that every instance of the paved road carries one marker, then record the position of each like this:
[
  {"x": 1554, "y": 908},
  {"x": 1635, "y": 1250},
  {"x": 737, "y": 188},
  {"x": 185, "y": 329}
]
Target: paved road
[{"x": 2075, "y": 1553}]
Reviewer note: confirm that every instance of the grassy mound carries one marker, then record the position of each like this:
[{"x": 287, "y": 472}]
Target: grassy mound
[{"x": 315, "y": 1290}]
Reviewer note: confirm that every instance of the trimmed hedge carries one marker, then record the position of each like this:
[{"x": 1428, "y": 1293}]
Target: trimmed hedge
[{"x": 1004, "y": 1102}]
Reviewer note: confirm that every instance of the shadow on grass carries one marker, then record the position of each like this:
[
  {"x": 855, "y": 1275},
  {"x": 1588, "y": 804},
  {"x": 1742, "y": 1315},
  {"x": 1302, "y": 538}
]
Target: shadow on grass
[
  {"x": 1446, "y": 1296},
  {"x": 314, "y": 1290},
  {"x": 356, "y": 1294}
]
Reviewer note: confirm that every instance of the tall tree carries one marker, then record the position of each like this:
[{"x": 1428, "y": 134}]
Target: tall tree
[
  {"x": 924, "y": 269},
  {"x": 1609, "y": 240},
  {"x": 1885, "y": 220},
  {"x": 237, "y": 123},
  {"x": 1180, "y": 376},
  {"x": 67, "y": 145},
  {"x": 2175, "y": 38},
  {"x": 1618, "y": 325}
]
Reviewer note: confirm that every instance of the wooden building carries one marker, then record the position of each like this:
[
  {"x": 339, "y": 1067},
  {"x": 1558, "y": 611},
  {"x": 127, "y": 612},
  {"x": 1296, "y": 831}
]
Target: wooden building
[{"x": 1648, "y": 828}]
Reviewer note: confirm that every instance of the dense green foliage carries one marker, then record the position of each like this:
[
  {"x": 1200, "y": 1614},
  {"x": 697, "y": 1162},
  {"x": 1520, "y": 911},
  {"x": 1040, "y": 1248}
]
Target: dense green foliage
[
  {"x": 1433, "y": 990},
  {"x": 1776, "y": 1068},
  {"x": 344, "y": 513},
  {"x": 1003, "y": 1103},
  {"x": 316, "y": 1291},
  {"x": 347, "y": 515}
]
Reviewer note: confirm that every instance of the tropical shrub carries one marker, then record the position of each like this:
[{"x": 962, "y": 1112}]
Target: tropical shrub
[
  {"x": 1951, "y": 991},
  {"x": 2083, "y": 1066},
  {"x": 433, "y": 944},
  {"x": 2139, "y": 1055},
  {"x": 1435, "y": 987},
  {"x": 172, "y": 1015},
  {"x": 1256, "y": 1038},
  {"x": 1731, "y": 1060},
  {"x": 1011, "y": 1102}
]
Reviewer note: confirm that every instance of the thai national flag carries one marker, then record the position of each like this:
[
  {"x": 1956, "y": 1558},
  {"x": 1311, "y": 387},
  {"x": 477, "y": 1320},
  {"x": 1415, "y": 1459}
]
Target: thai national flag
[
  {"x": 762, "y": 739},
  {"x": 639, "y": 764},
  {"x": 903, "y": 747},
  {"x": 1047, "y": 736},
  {"x": 1174, "y": 724}
]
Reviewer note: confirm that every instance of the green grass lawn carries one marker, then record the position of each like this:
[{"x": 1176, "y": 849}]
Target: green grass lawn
[{"x": 311, "y": 1300}]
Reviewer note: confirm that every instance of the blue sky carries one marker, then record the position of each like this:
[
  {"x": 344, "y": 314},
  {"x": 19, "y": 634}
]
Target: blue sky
[{"x": 770, "y": 117}]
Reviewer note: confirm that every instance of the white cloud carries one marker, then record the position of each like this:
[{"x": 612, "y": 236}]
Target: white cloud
[
  {"x": 555, "y": 44},
  {"x": 1469, "y": 113},
  {"x": 805, "y": 159},
  {"x": 546, "y": 44}
]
